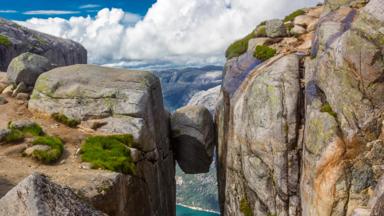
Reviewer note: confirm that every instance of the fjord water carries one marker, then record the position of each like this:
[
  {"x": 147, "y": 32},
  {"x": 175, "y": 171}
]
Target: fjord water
[{"x": 183, "y": 211}]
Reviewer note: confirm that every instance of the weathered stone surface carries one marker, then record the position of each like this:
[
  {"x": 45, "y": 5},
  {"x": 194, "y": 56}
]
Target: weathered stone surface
[
  {"x": 305, "y": 20},
  {"x": 208, "y": 99},
  {"x": 22, "y": 96},
  {"x": 29, "y": 151},
  {"x": 37, "y": 195},
  {"x": 127, "y": 102},
  {"x": 298, "y": 30},
  {"x": 257, "y": 150},
  {"x": 3, "y": 100},
  {"x": 8, "y": 90},
  {"x": 21, "y": 87},
  {"x": 27, "y": 67},
  {"x": 276, "y": 28},
  {"x": 59, "y": 51},
  {"x": 253, "y": 43},
  {"x": 193, "y": 138}
]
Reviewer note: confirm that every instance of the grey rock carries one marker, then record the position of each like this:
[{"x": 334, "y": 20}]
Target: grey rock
[
  {"x": 8, "y": 90},
  {"x": 276, "y": 28},
  {"x": 37, "y": 195},
  {"x": 253, "y": 43},
  {"x": 297, "y": 30},
  {"x": 208, "y": 99},
  {"x": 27, "y": 67},
  {"x": 193, "y": 138},
  {"x": 29, "y": 151},
  {"x": 3, "y": 134},
  {"x": 22, "y": 96},
  {"x": 59, "y": 51},
  {"x": 20, "y": 124}
]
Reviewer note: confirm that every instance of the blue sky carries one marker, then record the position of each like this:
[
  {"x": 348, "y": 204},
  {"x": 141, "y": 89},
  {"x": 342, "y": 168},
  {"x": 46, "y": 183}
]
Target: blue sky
[{"x": 26, "y": 9}]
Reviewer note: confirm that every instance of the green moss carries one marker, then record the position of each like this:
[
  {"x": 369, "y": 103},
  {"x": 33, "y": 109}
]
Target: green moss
[
  {"x": 264, "y": 53},
  {"x": 261, "y": 31},
  {"x": 4, "y": 41},
  {"x": 109, "y": 152},
  {"x": 328, "y": 109},
  {"x": 53, "y": 154},
  {"x": 239, "y": 47},
  {"x": 293, "y": 15},
  {"x": 245, "y": 208},
  {"x": 65, "y": 120},
  {"x": 32, "y": 130},
  {"x": 14, "y": 136}
]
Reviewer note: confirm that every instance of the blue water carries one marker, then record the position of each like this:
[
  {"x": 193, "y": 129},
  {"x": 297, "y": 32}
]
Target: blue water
[{"x": 183, "y": 211}]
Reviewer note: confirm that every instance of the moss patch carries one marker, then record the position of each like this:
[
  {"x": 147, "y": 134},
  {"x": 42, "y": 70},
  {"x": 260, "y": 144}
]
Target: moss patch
[
  {"x": 293, "y": 15},
  {"x": 109, "y": 152},
  {"x": 31, "y": 130},
  {"x": 261, "y": 31},
  {"x": 245, "y": 208},
  {"x": 14, "y": 136},
  {"x": 65, "y": 120},
  {"x": 53, "y": 154},
  {"x": 4, "y": 41},
  {"x": 239, "y": 47},
  {"x": 264, "y": 53},
  {"x": 326, "y": 108}
]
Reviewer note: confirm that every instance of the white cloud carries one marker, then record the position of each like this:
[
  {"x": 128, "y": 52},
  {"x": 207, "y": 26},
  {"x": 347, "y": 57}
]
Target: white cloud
[
  {"x": 89, "y": 6},
  {"x": 185, "y": 31},
  {"x": 8, "y": 11},
  {"x": 50, "y": 12}
]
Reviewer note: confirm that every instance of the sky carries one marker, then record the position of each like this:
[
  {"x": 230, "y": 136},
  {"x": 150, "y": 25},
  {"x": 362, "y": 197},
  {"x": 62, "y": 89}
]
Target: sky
[{"x": 128, "y": 33}]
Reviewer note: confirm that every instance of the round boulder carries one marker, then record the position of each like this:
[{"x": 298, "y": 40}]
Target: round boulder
[
  {"x": 27, "y": 67},
  {"x": 193, "y": 138},
  {"x": 276, "y": 28}
]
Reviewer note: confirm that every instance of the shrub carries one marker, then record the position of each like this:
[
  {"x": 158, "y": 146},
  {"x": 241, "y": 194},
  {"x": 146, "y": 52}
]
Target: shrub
[
  {"x": 65, "y": 120},
  {"x": 245, "y": 208},
  {"x": 293, "y": 15},
  {"x": 109, "y": 152},
  {"x": 51, "y": 155},
  {"x": 238, "y": 47},
  {"x": 264, "y": 53},
  {"x": 326, "y": 108},
  {"x": 261, "y": 31},
  {"x": 5, "y": 41}
]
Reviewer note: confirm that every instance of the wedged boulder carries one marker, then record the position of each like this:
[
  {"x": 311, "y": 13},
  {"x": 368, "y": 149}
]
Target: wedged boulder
[
  {"x": 19, "y": 39},
  {"x": 193, "y": 138},
  {"x": 207, "y": 99},
  {"x": 118, "y": 101},
  {"x": 37, "y": 195},
  {"x": 27, "y": 67},
  {"x": 276, "y": 28}
]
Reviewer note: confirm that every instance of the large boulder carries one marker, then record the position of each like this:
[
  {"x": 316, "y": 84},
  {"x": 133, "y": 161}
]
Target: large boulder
[
  {"x": 27, "y": 67},
  {"x": 207, "y": 99},
  {"x": 123, "y": 102},
  {"x": 37, "y": 195},
  {"x": 17, "y": 39},
  {"x": 193, "y": 138},
  {"x": 276, "y": 28}
]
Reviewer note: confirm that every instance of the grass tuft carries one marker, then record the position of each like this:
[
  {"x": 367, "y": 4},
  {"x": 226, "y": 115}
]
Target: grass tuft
[
  {"x": 53, "y": 154},
  {"x": 264, "y": 53},
  {"x": 14, "y": 136},
  {"x": 4, "y": 41},
  {"x": 32, "y": 130},
  {"x": 245, "y": 208},
  {"x": 293, "y": 15},
  {"x": 65, "y": 120},
  {"x": 238, "y": 47},
  {"x": 109, "y": 152}
]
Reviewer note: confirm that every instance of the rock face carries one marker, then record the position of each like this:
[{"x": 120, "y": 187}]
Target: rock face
[
  {"x": 27, "y": 67},
  {"x": 37, "y": 195},
  {"x": 193, "y": 138},
  {"x": 275, "y": 28},
  {"x": 127, "y": 102},
  {"x": 207, "y": 98},
  {"x": 19, "y": 40}
]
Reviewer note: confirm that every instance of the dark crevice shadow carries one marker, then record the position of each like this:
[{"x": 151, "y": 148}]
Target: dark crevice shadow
[{"x": 5, "y": 186}]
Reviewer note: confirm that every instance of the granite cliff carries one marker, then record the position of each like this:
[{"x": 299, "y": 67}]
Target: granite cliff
[{"x": 300, "y": 116}]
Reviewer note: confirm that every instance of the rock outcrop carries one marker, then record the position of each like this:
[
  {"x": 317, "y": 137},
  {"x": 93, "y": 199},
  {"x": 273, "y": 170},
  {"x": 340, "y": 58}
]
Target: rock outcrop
[
  {"x": 27, "y": 67},
  {"x": 37, "y": 195},
  {"x": 126, "y": 102},
  {"x": 301, "y": 133},
  {"x": 193, "y": 138},
  {"x": 207, "y": 98},
  {"x": 17, "y": 39}
]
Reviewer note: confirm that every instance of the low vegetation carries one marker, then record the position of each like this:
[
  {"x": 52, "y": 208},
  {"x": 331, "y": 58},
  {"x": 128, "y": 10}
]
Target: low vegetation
[
  {"x": 326, "y": 108},
  {"x": 245, "y": 208},
  {"x": 28, "y": 130},
  {"x": 238, "y": 47},
  {"x": 65, "y": 120},
  {"x": 293, "y": 15},
  {"x": 53, "y": 154},
  {"x": 264, "y": 53},
  {"x": 109, "y": 152},
  {"x": 4, "y": 41},
  {"x": 261, "y": 31},
  {"x": 14, "y": 136}
]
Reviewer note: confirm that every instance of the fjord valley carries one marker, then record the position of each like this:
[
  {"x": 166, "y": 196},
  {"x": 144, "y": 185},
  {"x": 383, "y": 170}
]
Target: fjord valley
[{"x": 290, "y": 125}]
